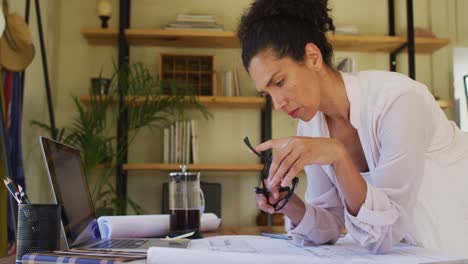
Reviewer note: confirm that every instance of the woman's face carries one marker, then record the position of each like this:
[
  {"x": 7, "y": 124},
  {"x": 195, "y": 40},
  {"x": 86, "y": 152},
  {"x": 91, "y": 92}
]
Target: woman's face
[{"x": 293, "y": 86}]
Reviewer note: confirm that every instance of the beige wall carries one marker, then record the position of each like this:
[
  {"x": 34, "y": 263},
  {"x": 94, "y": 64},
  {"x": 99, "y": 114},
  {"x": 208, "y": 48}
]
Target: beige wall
[
  {"x": 35, "y": 104},
  {"x": 73, "y": 62}
]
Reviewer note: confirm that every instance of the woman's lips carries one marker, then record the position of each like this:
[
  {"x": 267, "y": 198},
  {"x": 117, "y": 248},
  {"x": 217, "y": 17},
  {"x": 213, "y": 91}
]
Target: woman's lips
[{"x": 294, "y": 113}]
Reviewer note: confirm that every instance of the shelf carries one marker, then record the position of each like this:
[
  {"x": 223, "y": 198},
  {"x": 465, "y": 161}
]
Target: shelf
[
  {"x": 99, "y": 36},
  {"x": 191, "y": 167},
  {"x": 182, "y": 38},
  {"x": 210, "y": 73},
  {"x": 444, "y": 104},
  {"x": 227, "y": 39},
  {"x": 387, "y": 44},
  {"x": 245, "y": 101},
  {"x": 217, "y": 101}
]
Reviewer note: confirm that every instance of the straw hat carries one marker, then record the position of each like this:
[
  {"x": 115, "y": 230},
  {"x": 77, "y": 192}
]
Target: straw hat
[{"x": 16, "y": 48}]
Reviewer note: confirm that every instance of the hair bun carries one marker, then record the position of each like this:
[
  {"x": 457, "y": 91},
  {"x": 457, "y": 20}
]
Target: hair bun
[{"x": 314, "y": 12}]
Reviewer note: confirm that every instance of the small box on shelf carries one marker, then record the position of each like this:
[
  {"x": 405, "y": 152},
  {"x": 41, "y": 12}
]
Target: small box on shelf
[{"x": 195, "y": 71}]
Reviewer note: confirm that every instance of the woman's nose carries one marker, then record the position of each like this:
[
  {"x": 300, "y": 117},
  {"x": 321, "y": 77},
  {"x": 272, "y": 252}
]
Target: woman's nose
[{"x": 278, "y": 101}]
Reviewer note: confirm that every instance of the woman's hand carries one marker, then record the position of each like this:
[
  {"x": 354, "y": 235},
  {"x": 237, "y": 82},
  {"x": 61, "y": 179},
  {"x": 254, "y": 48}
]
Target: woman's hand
[
  {"x": 266, "y": 206},
  {"x": 294, "y": 209},
  {"x": 293, "y": 153}
]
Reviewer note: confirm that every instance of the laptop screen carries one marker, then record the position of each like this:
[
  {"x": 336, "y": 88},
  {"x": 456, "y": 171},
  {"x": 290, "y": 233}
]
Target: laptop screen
[{"x": 66, "y": 174}]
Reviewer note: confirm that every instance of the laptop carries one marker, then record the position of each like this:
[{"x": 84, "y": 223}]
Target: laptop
[{"x": 70, "y": 190}]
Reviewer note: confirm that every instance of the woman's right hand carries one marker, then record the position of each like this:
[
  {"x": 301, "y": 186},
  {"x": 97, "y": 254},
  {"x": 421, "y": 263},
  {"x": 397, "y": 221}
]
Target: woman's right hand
[
  {"x": 265, "y": 206},
  {"x": 294, "y": 210}
]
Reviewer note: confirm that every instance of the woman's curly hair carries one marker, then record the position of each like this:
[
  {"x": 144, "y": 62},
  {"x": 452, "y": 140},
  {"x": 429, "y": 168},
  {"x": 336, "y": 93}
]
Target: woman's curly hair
[{"x": 285, "y": 26}]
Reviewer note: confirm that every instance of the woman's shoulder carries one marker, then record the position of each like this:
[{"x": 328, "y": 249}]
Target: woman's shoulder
[
  {"x": 386, "y": 79},
  {"x": 384, "y": 86}
]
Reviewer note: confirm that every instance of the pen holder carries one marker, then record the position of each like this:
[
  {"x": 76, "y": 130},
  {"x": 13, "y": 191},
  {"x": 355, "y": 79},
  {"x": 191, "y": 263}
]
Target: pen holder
[{"x": 38, "y": 228}]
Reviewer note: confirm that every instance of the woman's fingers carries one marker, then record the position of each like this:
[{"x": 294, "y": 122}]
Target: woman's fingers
[
  {"x": 271, "y": 144},
  {"x": 285, "y": 166},
  {"x": 294, "y": 170},
  {"x": 266, "y": 206},
  {"x": 263, "y": 205}
]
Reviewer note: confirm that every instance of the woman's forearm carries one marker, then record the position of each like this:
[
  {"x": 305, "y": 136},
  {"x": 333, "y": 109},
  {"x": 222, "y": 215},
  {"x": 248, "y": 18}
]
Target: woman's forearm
[
  {"x": 295, "y": 210},
  {"x": 352, "y": 184}
]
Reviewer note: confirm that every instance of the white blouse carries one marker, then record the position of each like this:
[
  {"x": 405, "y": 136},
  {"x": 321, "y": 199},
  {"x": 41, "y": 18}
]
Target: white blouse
[{"x": 417, "y": 184}]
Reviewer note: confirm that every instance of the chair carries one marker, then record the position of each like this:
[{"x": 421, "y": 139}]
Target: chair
[{"x": 212, "y": 192}]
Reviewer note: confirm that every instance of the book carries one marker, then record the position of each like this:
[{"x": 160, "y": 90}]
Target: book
[
  {"x": 228, "y": 83},
  {"x": 236, "y": 83},
  {"x": 192, "y": 28},
  {"x": 182, "y": 141},
  {"x": 195, "y": 25},
  {"x": 194, "y": 139},
  {"x": 166, "y": 145},
  {"x": 179, "y": 141},
  {"x": 172, "y": 143},
  {"x": 84, "y": 256},
  {"x": 193, "y": 17},
  {"x": 187, "y": 140}
]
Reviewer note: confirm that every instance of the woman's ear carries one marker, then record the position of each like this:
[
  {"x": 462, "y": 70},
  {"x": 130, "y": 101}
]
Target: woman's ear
[{"x": 313, "y": 57}]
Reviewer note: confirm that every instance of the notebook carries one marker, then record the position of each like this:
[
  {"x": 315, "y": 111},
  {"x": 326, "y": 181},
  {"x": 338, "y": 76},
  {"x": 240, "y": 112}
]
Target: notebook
[{"x": 70, "y": 189}]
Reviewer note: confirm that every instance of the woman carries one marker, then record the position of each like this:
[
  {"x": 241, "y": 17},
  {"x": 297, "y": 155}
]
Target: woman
[{"x": 380, "y": 156}]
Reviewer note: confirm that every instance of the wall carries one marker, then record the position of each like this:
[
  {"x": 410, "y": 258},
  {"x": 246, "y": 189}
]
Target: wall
[
  {"x": 35, "y": 104},
  {"x": 74, "y": 62},
  {"x": 461, "y": 25}
]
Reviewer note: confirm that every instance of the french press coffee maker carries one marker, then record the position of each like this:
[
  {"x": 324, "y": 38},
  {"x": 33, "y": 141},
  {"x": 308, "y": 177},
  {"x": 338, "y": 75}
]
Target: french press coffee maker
[{"x": 186, "y": 203}]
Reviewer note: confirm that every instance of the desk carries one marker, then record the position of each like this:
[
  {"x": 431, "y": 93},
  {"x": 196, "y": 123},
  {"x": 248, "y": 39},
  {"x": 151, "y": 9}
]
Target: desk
[
  {"x": 226, "y": 230},
  {"x": 8, "y": 260},
  {"x": 245, "y": 230}
]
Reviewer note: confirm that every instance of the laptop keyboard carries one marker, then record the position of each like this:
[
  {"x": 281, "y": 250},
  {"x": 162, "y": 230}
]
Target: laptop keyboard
[{"x": 120, "y": 243}]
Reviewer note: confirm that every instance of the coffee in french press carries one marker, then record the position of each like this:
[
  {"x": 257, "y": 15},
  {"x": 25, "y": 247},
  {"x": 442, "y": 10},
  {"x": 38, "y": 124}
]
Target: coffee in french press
[{"x": 186, "y": 203}]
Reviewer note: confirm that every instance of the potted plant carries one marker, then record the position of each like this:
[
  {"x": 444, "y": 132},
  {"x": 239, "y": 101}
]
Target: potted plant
[{"x": 133, "y": 90}]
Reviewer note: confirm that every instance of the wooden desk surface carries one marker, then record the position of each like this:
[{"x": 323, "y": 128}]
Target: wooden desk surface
[
  {"x": 8, "y": 260},
  {"x": 245, "y": 230},
  {"x": 226, "y": 230}
]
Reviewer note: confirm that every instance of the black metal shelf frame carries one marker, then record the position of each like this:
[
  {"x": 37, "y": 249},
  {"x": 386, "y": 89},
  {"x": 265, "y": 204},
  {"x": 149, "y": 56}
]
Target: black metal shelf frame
[{"x": 410, "y": 45}]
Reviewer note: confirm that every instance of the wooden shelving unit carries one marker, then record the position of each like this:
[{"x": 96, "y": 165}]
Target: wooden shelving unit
[
  {"x": 227, "y": 39},
  {"x": 191, "y": 167},
  {"x": 214, "y": 101}
]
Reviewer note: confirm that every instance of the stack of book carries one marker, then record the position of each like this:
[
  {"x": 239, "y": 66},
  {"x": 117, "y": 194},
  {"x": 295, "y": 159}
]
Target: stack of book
[
  {"x": 181, "y": 142},
  {"x": 195, "y": 22}
]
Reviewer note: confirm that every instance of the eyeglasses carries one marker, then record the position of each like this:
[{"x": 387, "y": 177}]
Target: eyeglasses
[{"x": 264, "y": 175}]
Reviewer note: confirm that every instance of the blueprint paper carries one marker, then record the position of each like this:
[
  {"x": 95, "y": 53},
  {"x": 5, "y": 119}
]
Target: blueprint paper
[{"x": 258, "y": 249}]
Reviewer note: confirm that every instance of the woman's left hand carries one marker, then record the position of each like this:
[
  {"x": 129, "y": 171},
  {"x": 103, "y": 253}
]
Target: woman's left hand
[{"x": 293, "y": 153}]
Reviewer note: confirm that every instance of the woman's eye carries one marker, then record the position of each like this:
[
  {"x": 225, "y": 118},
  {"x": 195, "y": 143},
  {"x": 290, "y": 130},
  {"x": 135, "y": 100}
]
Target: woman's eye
[{"x": 280, "y": 83}]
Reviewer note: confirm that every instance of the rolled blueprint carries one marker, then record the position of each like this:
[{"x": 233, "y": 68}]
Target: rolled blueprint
[{"x": 133, "y": 226}]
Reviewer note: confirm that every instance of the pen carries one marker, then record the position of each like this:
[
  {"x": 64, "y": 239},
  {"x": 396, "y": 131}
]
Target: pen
[
  {"x": 23, "y": 196},
  {"x": 12, "y": 189},
  {"x": 278, "y": 236},
  {"x": 181, "y": 236}
]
